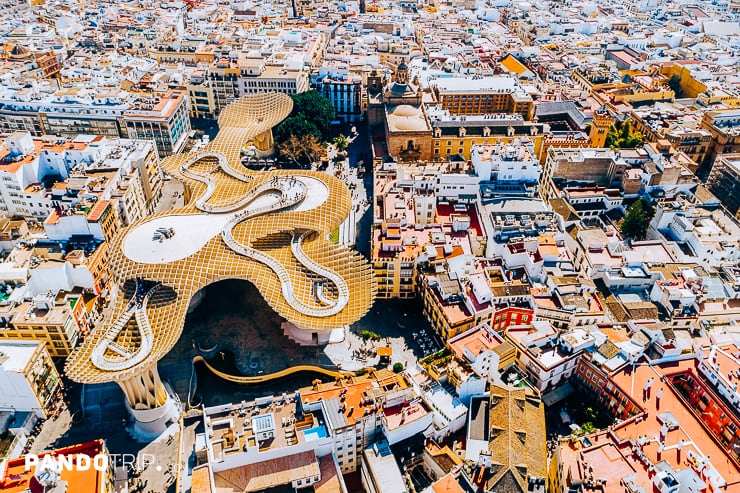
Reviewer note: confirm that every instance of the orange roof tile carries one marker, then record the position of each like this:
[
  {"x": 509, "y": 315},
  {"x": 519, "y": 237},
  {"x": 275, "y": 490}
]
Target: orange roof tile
[
  {"x": 53, "y": 218},
  {"x": 447, "y": 484},
  {"x": 693, "y": 433},
  {"x": 97, "y": 210},
  {"x": 17, "y": 479}
]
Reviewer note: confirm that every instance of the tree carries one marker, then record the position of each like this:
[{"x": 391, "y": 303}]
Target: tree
[
  {"x": 675, "y": 84},
  {"x": 341, "y": 142},
  {"x": 587, "y": 428},
  {"x": 302, "y": 151},
  {"x": 369, "y": 335},
  {"x": 292, "y": 148},
  {"x": 312, "y": 114},
  {"x": 637, "y": 220},
  {"x": 314, "y": 149},
  {"x": 397, "y": 367},
  {"x": 296, "y": 126},
  {"x": 621, "y": 135}
]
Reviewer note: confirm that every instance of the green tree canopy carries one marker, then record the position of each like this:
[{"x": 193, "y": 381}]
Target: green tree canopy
[
  {"x": 297, "y": 126},
  {"x": 637, "y": 220},
  {"x": 621, "y": 135},
  {"x": 341, "y": 142},
  {"x": 312, "y": 114}
]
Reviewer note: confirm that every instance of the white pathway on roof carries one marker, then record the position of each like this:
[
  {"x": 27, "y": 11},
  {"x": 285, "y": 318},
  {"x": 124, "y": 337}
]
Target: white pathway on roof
[{"x": 192, "y": 232}]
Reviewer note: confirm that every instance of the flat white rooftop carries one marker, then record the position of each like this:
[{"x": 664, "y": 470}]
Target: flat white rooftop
[
  {"x": 18, "y": 353},
  {"x": 193, "y": 231},
  {"x": 463, "y": 84}
]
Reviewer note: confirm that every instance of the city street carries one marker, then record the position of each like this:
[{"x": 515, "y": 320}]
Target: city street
[
  {"x": 351, "y": 171},
  {"x": 101, "y": 407}
]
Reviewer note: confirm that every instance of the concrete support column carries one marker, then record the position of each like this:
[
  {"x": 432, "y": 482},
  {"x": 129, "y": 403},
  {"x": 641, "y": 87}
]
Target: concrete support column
[
  {"x": 265, "y": 143},
  {"x": 151, "y": 405}
]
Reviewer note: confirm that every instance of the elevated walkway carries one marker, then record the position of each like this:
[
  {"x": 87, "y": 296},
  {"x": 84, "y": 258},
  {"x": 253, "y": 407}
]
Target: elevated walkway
[{"x": 136, "y": 308}]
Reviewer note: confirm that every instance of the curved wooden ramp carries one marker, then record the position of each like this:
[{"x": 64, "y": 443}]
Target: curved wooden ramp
[{"x": 241, "y": 379}]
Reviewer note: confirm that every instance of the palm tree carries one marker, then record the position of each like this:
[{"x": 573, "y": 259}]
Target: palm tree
[{"x": 341, "y": 143}]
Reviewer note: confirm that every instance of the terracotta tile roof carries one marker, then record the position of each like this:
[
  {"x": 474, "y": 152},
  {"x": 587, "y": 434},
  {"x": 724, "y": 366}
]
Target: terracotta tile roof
[
  {"x": 447, "y": 484},
  {"x": 19, "y": 480},
  {"x": 608, "y": 350},
  {"x": 516, "y": 439},
  {"x": 201, "y": 479},
  {"x": 269, "y": 473},
  {"x": 97, "y": 210}
]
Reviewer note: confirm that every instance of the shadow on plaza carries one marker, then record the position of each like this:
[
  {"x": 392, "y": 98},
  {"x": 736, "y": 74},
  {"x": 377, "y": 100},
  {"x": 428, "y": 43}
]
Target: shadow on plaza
[
  {"x": 98, "y": 411},
  {"x": 234, "y": 317}
]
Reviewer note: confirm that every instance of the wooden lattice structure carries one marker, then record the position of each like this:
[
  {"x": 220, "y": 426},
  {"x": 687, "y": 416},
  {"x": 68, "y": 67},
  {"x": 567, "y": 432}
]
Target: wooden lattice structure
[{"x": 154, "y": 327}]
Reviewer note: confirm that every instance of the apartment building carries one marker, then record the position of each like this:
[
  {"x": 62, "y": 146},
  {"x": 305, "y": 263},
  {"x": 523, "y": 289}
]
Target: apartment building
[
  {"x": 724, "y": 125},
  {"x": 708, "y": 235},
  {"x": 18, "y": 477},
  {"x": 483, "y": 95},
  {"x": 29, "y": 382},
  {"x": 57, "y": 319},
  {"x": 46, "y": 110},
  {"x": 724, "y": 181},
  {"x": 308, "y": 438},
  {"x": 380, "y": 472},
  {"x": 569, "y": 301},
  {"x": 484, "y": 350},
  {"x": 457, "y": 300},
  {"x": 257, "y": 75},
  {"x": 660, "y": 453},
  {"x": 597, "y": 166},
  {"x": 96, "y": 173},
  {"x": 345, "y": 93},
  {"x": 544, "y": 358},
  {"x": 163, "y": 119},
  {"x": 210, "y": 90}
]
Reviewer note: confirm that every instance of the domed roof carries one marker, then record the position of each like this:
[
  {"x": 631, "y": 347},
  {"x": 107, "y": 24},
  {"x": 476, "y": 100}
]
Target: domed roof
[
  {"x": 20, "y": 51},
  {"x": 402, "y": 66},
  {"x": 405, "y": 110},
  {"x": 400, "y": 90},
  {"x": 408, "y": 125},
  {"x": 406, "y": 118}
]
